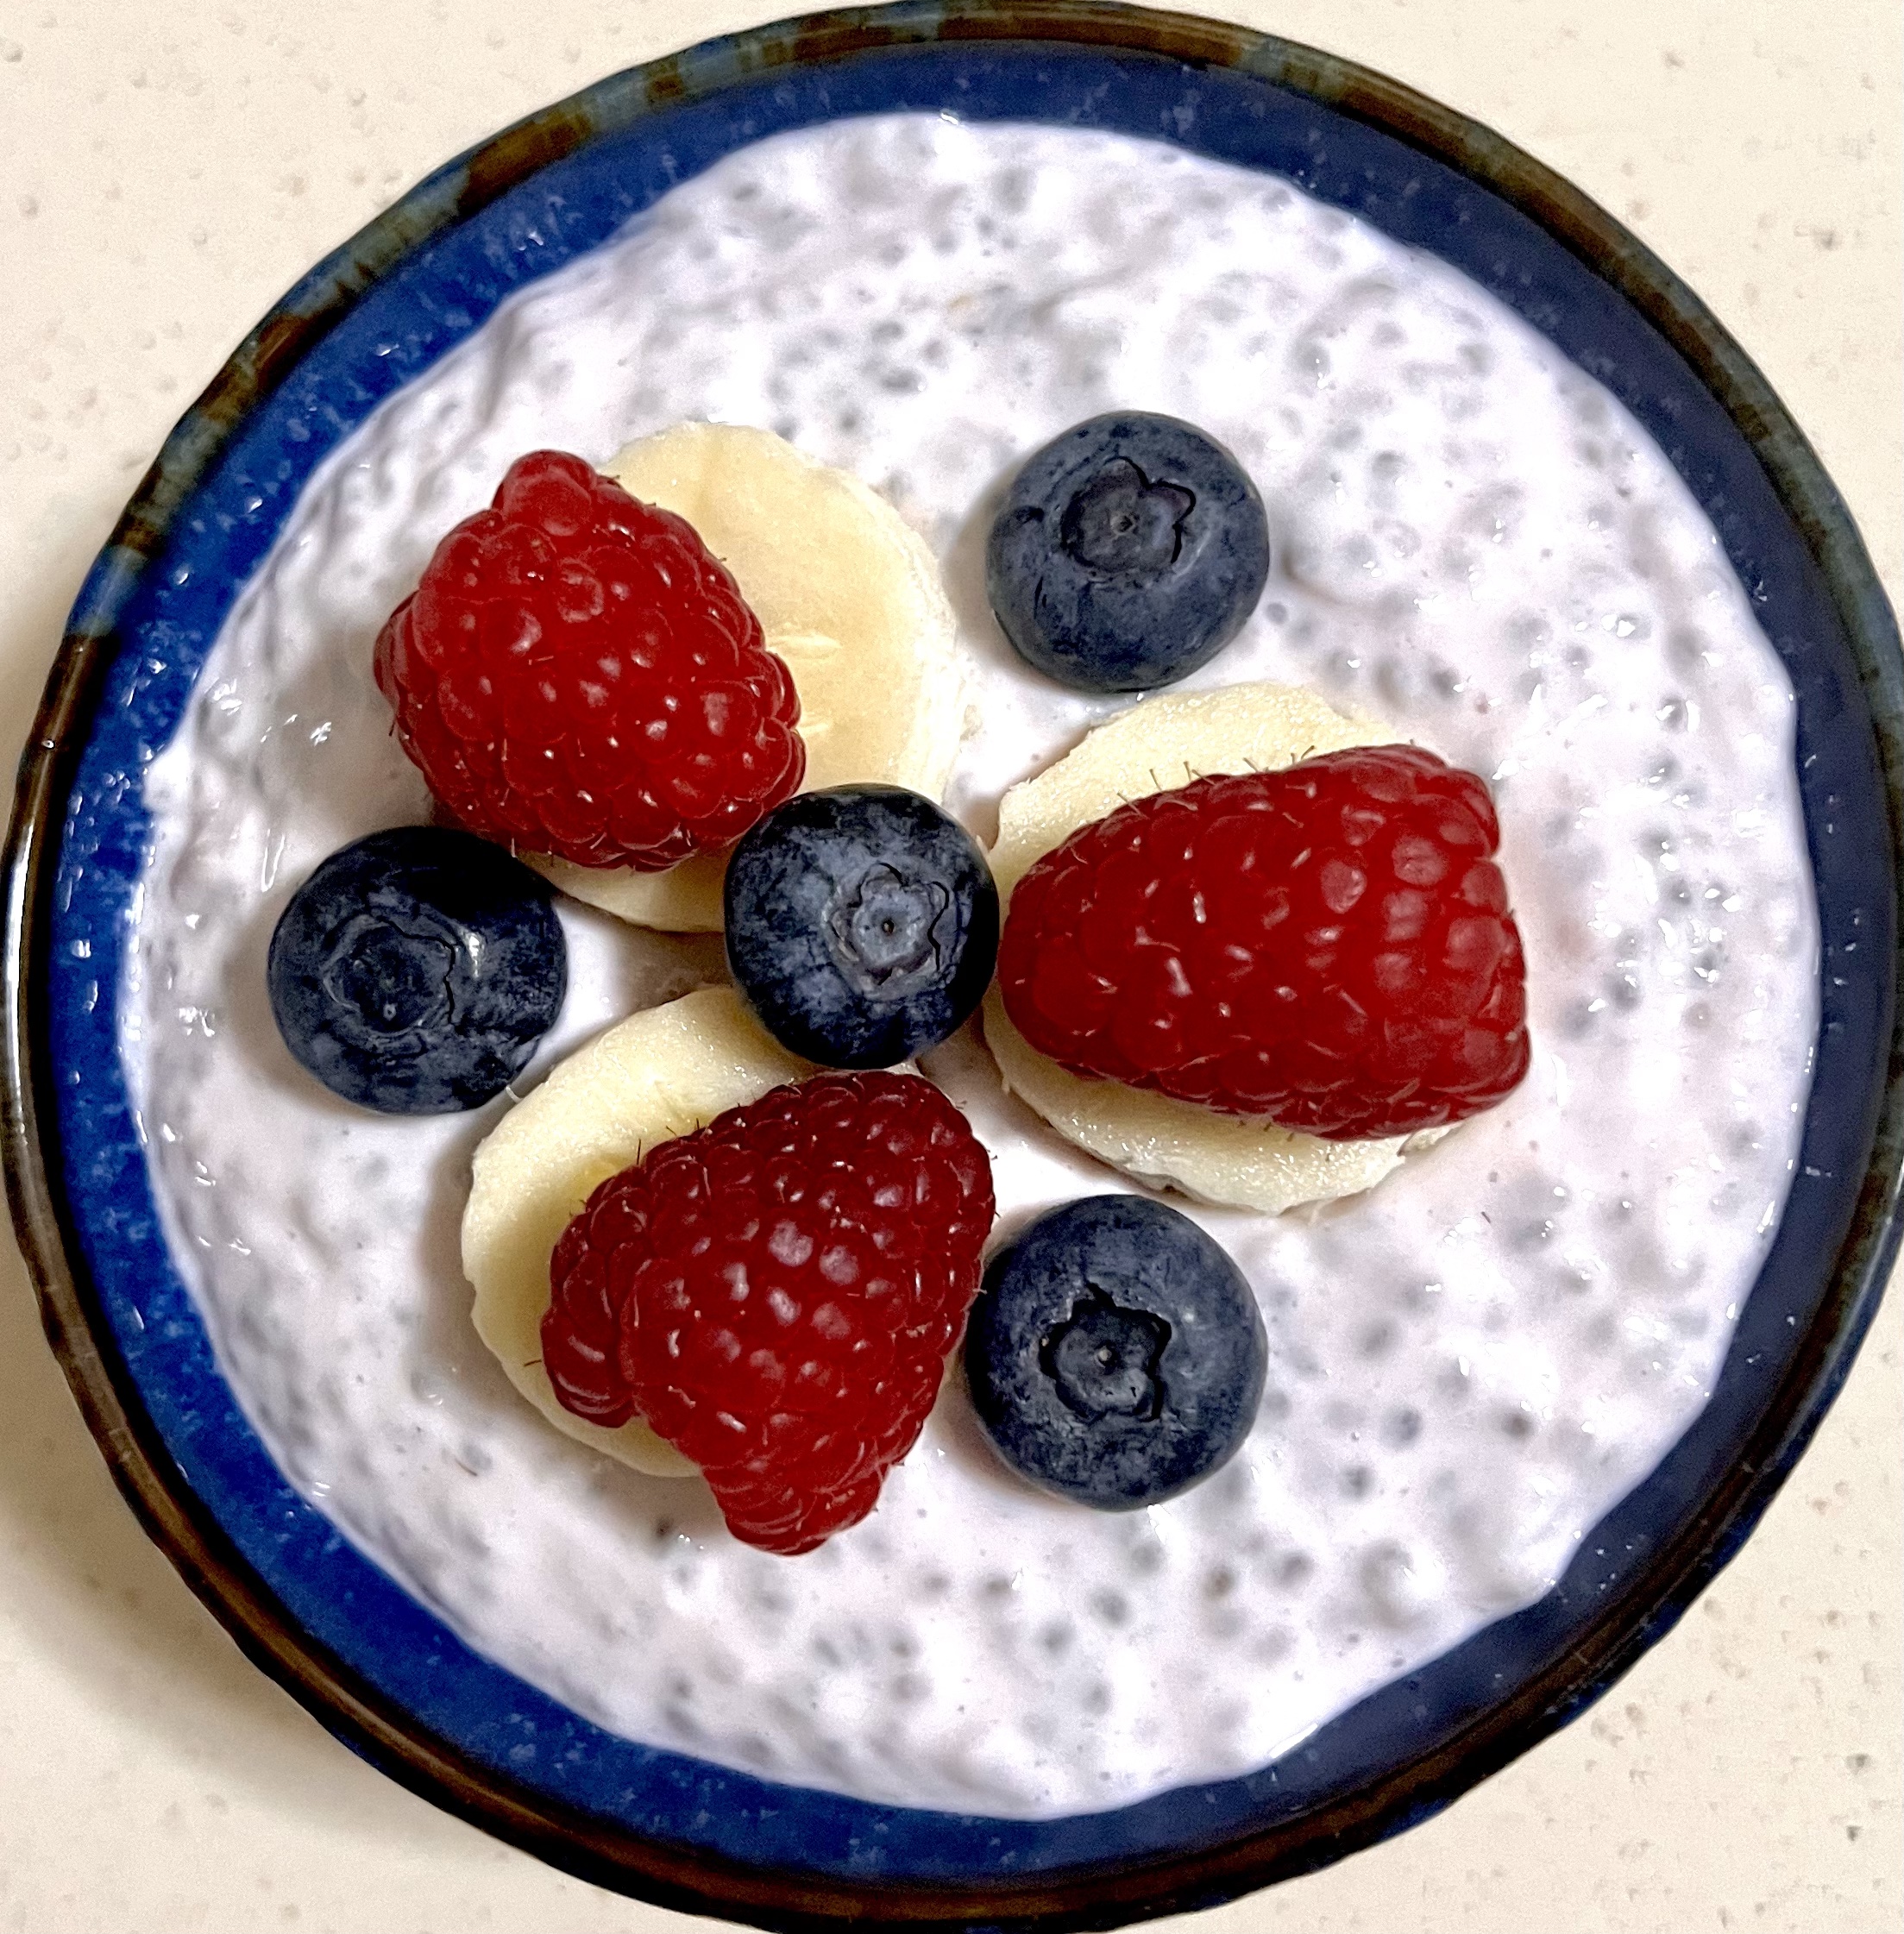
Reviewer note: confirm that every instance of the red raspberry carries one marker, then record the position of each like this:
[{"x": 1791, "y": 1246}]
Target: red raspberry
[
  {"x": 777, "y": 1293},
  {"x": 1328, "y": 945},
  {"x": 576, "y": 673}
]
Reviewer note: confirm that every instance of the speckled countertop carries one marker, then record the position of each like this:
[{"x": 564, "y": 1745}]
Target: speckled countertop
[{"x": 165, "y": 174}]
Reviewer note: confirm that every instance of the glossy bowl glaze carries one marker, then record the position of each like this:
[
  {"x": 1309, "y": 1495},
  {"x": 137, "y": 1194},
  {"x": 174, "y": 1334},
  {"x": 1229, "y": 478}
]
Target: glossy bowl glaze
[{"x": 373, "y": 1665}]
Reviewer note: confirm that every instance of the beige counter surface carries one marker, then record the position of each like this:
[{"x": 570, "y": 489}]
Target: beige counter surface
[{"x": 164, "y": 173}]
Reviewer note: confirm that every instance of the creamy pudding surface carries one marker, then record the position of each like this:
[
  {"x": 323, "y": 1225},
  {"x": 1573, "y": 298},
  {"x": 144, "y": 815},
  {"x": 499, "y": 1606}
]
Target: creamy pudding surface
[{"x": 1468, "y": 1365}]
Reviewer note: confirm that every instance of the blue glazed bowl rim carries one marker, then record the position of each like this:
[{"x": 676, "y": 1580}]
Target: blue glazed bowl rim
[{"x": 1142, "y": 1880}]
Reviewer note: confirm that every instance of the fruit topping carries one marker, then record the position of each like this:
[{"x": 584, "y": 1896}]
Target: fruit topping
[
  {"x": 415, "y": 971},
  {"x": 1165, "y": 741},
  {"x": 664, "y": 1072},
  {"x": 576, "y": 673},
  {"x": 1329, "y": 946},
  {"x": 1115, "y": 1354},
  {"x": 777, "y": 1294},
  {"x": 862, "y": 925},
  {"x": 850, "y": 598},
  {"x": 1130, "y": 551}
]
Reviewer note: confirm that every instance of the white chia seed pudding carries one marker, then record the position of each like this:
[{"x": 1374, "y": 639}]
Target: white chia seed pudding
[{"x": 1468, "y": 1365}]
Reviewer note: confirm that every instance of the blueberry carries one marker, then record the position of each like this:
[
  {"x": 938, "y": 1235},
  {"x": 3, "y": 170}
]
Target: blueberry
[
  {"x": 862, "y": 924},
  {"x": 414, "y": 972},
  {"x": 1129, "y": 552},
  {"x": 1115, "y": 1354}
]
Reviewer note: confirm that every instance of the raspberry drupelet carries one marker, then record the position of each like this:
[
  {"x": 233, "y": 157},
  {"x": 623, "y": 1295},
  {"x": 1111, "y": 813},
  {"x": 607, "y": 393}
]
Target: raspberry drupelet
[
  {"x": 777, "y": 1294},
  {"x": 577, "y": 675},
  {"x": 1328, "y": 946}
]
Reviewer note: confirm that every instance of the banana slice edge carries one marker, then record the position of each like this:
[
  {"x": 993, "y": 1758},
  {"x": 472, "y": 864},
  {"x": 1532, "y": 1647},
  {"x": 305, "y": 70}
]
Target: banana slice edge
[
  {"x": 870, "y": 640},
  {"x": 662, "y": 1072},
  {"x": 1159, "y": 745}
]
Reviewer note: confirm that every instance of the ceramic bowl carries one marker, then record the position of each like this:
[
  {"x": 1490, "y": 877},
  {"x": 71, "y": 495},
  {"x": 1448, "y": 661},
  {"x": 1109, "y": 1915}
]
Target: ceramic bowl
[{"x": 373, "y": 1665}]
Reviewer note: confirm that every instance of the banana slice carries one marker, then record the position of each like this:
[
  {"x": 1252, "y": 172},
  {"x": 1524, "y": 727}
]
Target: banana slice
[
  {"x": 848, "y": 596},
  {"x": 661, "y": 1073},
  {"x": 1157, "y": 745}
]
